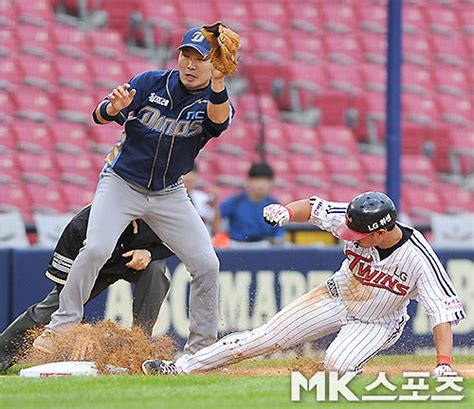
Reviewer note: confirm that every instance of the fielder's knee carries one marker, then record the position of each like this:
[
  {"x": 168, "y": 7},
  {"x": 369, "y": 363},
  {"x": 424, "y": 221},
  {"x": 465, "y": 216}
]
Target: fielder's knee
[{"x": 206, "y": 264}]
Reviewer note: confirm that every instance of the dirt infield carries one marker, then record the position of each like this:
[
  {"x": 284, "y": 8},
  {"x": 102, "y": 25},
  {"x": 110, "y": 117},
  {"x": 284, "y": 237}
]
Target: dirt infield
[{"x": 394, "y": 369}]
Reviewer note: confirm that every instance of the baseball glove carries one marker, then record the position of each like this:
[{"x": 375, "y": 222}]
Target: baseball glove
[{"x": 225, "y": 46}]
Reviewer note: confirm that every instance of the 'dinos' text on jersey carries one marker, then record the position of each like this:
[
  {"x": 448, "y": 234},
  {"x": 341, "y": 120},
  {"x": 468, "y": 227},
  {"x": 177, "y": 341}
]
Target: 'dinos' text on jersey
[
  {"x": 363, "y": 271},
  {"x": 153, "y": 119}
]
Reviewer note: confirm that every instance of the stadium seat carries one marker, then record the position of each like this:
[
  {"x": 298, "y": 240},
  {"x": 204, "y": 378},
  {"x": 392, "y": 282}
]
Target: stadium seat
[
  {"x": 339, "y": 17},
  {"x": 70, "y": 41},
  {"x": 344, "y": 78},
  {"x": 269, "y": 15},
  {"x": 456, "y": 110},
  {"x": 337, "y": 139},
  {"x": 466, "y": 20},
  {"x": 10, "y": 74},
  {"x": 334, "y": 106},
  {"x": 37, "y": 41},
  {"x": 43, "y": 164},
  {"x": 33, "y": 103},
  {"x": 306, "y": 47},
  {"x": 76, "y": 168},
  {"x": 420, "y": 109},
  {"x": 374, "y": 48},
  {"x": 374, "y": 167},
  {"x": 414, "y": 19},
  {"x": 374, "y": 77},
  {"x": 107, "y": 43},
  {"x": 235, "y": 14},
  {"x": 38, "y": 12},
  {"x": 8, "y": 42},
  {"x": 75, "y": 105},
  {"x": 7, "y": 14},
  {"x": 7, "y": 139},
  {"x": 14, "y": 197},
  {"x": 13, "y": 232},
  {"x": 416, "y": 50},
  {"x": 451, "y": 80},
  {"x": 7, "y": 107},
  {"x": 461, "y": 153},
  {"x": 342, "y": 193},
  {"x": 135, "y": 66},
  {"x": 104, "y": 138},
  {"x": 239, "y": 138},
  {"x": 46, "y": 199},
  {"x": 306, "y": 16},
  {"x": 372, "y": 18},
  {"x": 343, "y": 48},
  {"x": 276, "y": 141},
  {"x": 442, "y": 19},
  {"x": 32, "y": 137},
  {"x": 417, "y": 169},
  {"x": 73, "y": 72},
  {"x": 165, "y": 16},
  {"x": 38, "y": 72},
  {"x": 450, "y": 50},
  {"x": 9, "y": 171},
  {"x": 271, "y": 46},
  {"x": 197, "y": 13},
  {"x": 457, "y": 199},
  {"x": 232, "y": 170},
  {"x": 309, "y": 166},
  {"x": 420, "y": 202},
  {"x": 114, "y": 73},
  {"x": 342, "y": 164},
  {"x": 69, "y": 137},
  {"x": 416, "y": 80},
  {"x": 76, "y": 197},
  {"x": 302, "y": 139}
]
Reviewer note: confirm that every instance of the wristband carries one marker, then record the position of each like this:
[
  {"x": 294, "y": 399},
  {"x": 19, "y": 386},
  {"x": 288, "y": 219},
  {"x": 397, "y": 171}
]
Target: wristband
[
  {"x": 218, "y": 98},
  {"x": 104, "y": 114},
  {"x": 290, "y": 211},
  {"x": 443, "y": 359}
]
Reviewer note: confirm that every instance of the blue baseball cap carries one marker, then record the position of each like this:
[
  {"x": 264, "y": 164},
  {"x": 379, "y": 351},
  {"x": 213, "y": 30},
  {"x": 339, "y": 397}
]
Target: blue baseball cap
[{"x": 195, "y": 39}]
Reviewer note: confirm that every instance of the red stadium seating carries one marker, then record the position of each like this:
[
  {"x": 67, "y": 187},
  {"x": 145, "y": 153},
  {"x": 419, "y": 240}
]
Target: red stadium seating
[
  {"x": 75, "y": 105},
  {"x": 14, "y": 197},
  {"x": 33, "y": 103},
  {"x": 114, "y": 74},
  {"x": 37, "y": 71},
  {"x": 72, "y": 72},
  {"x": 234, "y": 14},
  {"x": 306, "y": 47},
  {"x": 442, "y": 20},
  {"x": 70, "y": 41},
  {"x": 37, "y": 41},
  {"x": 303, "y": 140},
  {"x": 451, "y": 80},
  {"x": 32, "y": 137},
  {"x": 343, "y": 49},
  {"x": 269, "y": 15},
  {"x": 8, "y": 42},
  {"x": 7, "y": 139},
  {"x": 47, "y": 199},
  {"x": 457, "y": 199},
  {"x": 70, "y": 137},
  {"x": 450, "y": 50},
  {"x": 418, "y": 169},
  {"x": 197, "y": 13},
  {"x": 10, "y": 74},
  {"x": 307, "y": 16},
  {"x": 456, "y": 110},
  {"x": 373, "y": 18},
  {"x": 38, "y": 12},
  {"x": 107, "y": 43},
  {"x": 338, "y": 139},
  {"x": 416, "y": 79},
  {"x": 339, "y": 17},
  {"x": 76, "y": 197},
  {"x": 420, "y": 202},
  {"x": 374, "y": 48},
  {"x": 414, "y": 19}
]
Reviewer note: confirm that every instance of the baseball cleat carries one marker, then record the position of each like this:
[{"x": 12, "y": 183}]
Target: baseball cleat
[
  {"x": 159, "y": 367},
  {"x": 45, "y": 342}
]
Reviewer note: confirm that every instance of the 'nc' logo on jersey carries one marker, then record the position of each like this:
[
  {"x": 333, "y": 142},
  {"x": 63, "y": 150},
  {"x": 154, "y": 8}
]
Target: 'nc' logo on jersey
[
  {"x": 195, "y": 115},
  {"x": 362, "y": 270}
]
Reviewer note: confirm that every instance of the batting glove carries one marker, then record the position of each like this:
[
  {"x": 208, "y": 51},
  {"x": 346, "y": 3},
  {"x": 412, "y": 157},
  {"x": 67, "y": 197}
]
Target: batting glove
[
  {"x": 277, "y": 215},
  {"x": 442, "y": 370}
]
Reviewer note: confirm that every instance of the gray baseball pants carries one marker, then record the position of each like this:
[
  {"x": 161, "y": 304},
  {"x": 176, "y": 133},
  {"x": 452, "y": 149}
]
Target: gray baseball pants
[{"x": 171, "y": 215}]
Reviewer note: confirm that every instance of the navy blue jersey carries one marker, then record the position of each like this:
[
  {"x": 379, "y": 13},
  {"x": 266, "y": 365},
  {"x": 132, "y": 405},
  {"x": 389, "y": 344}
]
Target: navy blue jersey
[{"x": 166, "y": 126}]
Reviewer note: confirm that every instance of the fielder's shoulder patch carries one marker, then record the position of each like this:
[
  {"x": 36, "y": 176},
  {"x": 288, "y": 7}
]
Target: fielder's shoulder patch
[{"x": 452, "y": 304}]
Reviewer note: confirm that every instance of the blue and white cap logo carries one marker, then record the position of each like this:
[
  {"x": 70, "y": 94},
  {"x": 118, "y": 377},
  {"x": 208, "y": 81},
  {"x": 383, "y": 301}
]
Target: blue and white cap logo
[{"x": 195, "y": 39}]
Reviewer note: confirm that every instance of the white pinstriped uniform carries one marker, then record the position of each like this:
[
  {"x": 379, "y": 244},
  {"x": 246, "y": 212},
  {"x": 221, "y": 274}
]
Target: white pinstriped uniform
[{"x": 365, "y": 300}]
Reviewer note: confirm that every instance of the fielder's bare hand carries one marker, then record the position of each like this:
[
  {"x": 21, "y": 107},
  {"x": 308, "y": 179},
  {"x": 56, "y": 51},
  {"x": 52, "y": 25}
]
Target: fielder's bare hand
[
  {"x": 120, "y": 98},
  {"x": 140, "y": 259}
]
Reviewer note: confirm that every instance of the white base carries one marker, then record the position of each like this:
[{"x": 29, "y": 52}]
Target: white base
[{"x": 54, "y": 369}]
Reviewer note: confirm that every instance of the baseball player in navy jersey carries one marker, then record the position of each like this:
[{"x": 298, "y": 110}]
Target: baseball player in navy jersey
[
  {"x": 167, "y": 117},
  {"x": 387, "y": 264}
]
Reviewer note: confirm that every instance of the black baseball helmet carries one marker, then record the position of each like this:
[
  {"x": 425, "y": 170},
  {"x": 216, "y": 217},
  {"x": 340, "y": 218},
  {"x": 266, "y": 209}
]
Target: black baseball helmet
[{"x": 366, "y": 213}]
